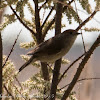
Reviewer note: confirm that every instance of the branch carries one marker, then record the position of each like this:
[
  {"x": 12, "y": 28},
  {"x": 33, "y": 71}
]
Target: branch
[
  {"x": 22, "y": 21},
  {"x": 80, "y": 68},
  {"x": 70, "y": 67},
  {"x": 48, "y": 27},
  {"x": 18, "y": 82},
  {"x": 57, "y": 65},
  {"x": 83, "y": 79},
  {"x": 83, "y": 23},
  {"x": 43, "y": 4},
  {"x": 11, "y": 49},
  {"x": 79, "y": 24},
  {"x": 45, "y": 71},
  {"x": 11, "y": 53},
  {"x": 9, "y": 94},
  {"x": 1, "y": 53},
  {"x": 44, "y": 67},
  {"x": 47, "y": 17},
  {"x": 54, "y": 83},
  {"x": 53, "y": 20},
  {"x": 37, "y": 23},
  {"x": 39, "y": 39}
]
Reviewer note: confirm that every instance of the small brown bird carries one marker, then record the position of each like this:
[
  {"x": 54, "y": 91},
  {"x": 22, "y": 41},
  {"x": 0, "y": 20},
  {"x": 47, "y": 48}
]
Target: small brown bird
[{"x": 52, "y": 49}]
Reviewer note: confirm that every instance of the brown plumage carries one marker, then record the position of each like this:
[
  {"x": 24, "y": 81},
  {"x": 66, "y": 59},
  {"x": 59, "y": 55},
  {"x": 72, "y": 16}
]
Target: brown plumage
[{"x": 52, "y": 49}]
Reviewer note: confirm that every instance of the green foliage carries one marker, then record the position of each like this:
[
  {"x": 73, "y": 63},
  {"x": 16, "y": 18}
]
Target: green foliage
[
  {"x": 28, "y": 88},
  {"x": 27, "y": 45},
  {"x": 20, "y": 7},
  {"x": 29, "y": 23},
  {"x": 9, "y": 72},
  {"x": 91, "y": 29},
  {"x": 70, "y": 13},
  {"x": 31, "y": 9},
  {"x": 72, "y": 97},
  {"x": 97, "y": 5},
  {"x": 11, "y": 1},
  {"x": 9, "y": 19},
  {"x": 65, "y": 61},
  {"x": 85, "y": 5}
]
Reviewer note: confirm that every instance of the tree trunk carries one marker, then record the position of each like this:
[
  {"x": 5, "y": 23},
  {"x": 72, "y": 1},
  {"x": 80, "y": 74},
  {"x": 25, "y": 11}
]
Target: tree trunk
[
  {"x": 1, "y": 59},
  {"x": 57, "y": 65}
]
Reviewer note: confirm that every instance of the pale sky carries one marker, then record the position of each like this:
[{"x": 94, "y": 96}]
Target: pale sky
[{"x": 11, "y": 31}]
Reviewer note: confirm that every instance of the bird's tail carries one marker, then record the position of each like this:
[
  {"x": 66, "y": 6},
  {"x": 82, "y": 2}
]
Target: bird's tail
[{"x": 27, "y": 63}]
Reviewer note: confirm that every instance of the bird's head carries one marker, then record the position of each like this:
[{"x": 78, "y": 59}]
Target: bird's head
[
  {"x": 70, "y": 35},
  {"x": 71, "y": 32}
]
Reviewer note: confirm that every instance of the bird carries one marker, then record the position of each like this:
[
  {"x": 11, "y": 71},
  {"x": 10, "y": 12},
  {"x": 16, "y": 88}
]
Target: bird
[{"x": 53, "y": 48}]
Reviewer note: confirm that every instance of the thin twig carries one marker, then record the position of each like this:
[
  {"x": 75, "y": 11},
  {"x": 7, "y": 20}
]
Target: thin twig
[
  {"x": 88, "y": 14},
  {"x": 83, "y": 79},
  {"x": 11, "y": 53},
  {"x": 22, "y": 21},
  {"x": 81, "y": 30},
  {"x": 43, "y": 4},
  {"x": 70, "y": 67},
  {"x": 18, "y": 90},
  {"x": 11, "y": 49},
  {"x": 18, "y": 82},
  {"x": 47, "y": 17},
  {"x": 9, "y": 94},
  {"x": 83, "y": 23},
  {"x": 43, "y": 14},
  {"x": 48, "y": 27}
]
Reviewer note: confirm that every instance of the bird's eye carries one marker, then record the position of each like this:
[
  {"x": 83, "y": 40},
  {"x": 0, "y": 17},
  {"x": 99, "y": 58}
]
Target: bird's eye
[{"x": 71, "y": 32}]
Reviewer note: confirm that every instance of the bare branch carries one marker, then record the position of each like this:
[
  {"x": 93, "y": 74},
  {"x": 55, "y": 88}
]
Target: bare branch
[
  {"x": 18, "y": 82},
  {"x": 70, "y": 67},
  {"x": 81, "y": 30},
  {"x": 83, "y": 23},
  {"x": 22, "y": 21},
  {"x": 47, "y": 18},
  {"x": 1, "y": 55},
  {"x": 48, "y": 27},
  {"x": 11, "y": 49},
  {"x": 83, "y": 79},
  {"x": 13, "y": 84},
  {"x": 43, "y": 4},
  {"x": 80, "y": 68},
  {"x": 9, "y": 93}
]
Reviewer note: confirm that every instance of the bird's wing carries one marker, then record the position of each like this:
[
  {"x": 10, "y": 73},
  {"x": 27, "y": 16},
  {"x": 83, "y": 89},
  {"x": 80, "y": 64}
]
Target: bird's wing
[{"x": 51, "y": 46}]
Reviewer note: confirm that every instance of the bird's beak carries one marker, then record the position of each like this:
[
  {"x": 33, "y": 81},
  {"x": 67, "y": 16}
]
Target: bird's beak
[{"x": 78, "y": 33}]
